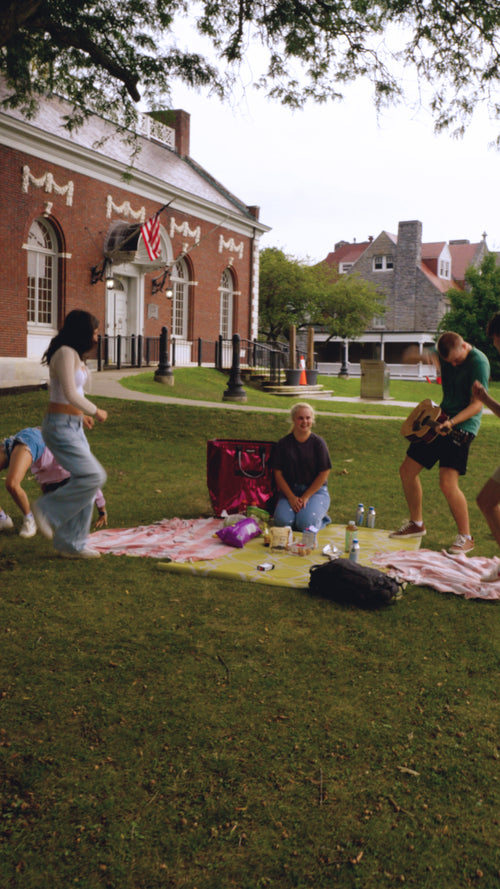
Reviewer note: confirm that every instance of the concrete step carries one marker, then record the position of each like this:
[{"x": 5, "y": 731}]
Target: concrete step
[{"x": 293, "y": 390}]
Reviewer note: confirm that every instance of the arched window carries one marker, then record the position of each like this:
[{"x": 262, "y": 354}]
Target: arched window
[
  {"x": 42, "y": 275},
  {"x": 180, "y": 305},
  {"x": 226, "y": 304}
]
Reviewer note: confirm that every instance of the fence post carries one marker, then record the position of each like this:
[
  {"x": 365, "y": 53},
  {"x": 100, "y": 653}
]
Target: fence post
[
  {"x": 235, "y": 390},
  {"x": 200, "y": 350},
  {"x": 164, "y": 372},
  {"x": 132, "y": 350},
  {"x": 106, "y": 350},
  {"x": 119, "y": 351},
  {"x": 99, "y": 352},
  {"x": 139, "y": 350}
]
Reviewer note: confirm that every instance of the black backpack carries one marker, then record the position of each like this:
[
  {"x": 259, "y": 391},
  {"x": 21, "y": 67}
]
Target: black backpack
[{"x": 348, "y": 583}]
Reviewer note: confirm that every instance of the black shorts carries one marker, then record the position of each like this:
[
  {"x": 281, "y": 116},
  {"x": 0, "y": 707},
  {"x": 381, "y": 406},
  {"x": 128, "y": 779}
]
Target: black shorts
[{"x": 451, "y": 450}]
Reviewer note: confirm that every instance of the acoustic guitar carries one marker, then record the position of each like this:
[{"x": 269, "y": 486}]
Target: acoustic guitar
[{"x": 423, "y": 422}]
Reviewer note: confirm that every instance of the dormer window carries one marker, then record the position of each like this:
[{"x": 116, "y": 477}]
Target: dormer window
[
  {"x": 383, "y": 263},
  {"x": 345, "y": 267},
  {"x": 444, "y": 269}
]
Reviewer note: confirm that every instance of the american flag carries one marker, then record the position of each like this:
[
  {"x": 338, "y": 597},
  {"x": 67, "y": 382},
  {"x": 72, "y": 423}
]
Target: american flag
[{"x": 150, "y": 231}]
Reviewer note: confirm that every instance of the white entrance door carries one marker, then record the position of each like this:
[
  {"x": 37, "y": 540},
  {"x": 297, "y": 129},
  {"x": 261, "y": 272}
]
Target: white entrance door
[{"x": 117, "y": 323}]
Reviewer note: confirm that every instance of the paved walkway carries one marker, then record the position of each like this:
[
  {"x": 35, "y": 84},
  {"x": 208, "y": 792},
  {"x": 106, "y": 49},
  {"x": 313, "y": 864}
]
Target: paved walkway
[{"x": 107, "y": 383}]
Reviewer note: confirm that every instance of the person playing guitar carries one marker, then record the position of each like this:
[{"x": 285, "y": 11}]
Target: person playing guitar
[{"x": 459, "y": 364}]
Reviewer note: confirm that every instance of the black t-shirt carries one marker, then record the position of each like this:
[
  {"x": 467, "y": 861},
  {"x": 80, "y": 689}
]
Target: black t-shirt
[{"x": 301, "y": 461}]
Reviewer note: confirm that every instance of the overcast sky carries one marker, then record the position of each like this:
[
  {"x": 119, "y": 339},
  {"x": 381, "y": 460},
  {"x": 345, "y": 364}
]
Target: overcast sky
[{"x": 337, "y": 172}]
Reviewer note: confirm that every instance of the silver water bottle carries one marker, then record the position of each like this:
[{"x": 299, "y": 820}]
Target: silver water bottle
[
  {"x": 359, "y": 515},
  {"x": 354, "y": 551}
]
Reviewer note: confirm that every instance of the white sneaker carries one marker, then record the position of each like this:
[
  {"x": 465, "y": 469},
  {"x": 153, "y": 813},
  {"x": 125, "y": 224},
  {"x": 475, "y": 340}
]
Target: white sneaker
[
  {"x": 79, "y": 554},
  {"x": 29, "y": 527},
  {"x": 42, "y": 522},
  {"x": 6, "y": 522}
]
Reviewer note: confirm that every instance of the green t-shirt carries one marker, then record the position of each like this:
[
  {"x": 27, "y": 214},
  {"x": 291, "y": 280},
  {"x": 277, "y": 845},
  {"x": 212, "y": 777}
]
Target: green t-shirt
[{"x": 457, "y": 386}]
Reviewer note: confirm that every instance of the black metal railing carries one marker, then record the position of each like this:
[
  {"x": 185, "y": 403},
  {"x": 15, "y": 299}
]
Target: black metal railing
[{"x": 271, "y": 360}]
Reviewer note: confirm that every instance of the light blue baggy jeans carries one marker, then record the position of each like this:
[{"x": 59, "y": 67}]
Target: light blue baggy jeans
[
  {"x": 314, "y": 513},
  {"x": 69, "y": 509}
]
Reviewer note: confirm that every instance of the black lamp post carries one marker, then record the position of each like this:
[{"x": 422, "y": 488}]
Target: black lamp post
[
  {"x": 164, "y": 373},
  {"x": 344, "y": 370},
  {"x": 235, "y": 390}
]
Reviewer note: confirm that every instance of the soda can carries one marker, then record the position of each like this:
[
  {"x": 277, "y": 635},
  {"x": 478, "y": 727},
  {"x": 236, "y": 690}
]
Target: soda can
[
  {"x": 354, "y": 551},
  {"x": 370, "y": 519},
  {"x": 359, "y": 515}
]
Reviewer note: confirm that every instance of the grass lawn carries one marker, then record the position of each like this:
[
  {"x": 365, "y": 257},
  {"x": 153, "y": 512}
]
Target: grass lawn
[
  {"x": 168, "y": 731},
  {"x": 193, "y": 382}
]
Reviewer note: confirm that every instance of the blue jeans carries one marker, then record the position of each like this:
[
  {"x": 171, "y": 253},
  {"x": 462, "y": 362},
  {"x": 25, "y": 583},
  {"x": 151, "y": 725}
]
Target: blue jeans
[
  {"x": 314, "y": 513},
  {"x": 69, "y": 509}
]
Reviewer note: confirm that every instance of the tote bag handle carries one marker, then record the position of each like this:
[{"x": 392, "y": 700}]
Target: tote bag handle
[{"x": 258, "y": 473}]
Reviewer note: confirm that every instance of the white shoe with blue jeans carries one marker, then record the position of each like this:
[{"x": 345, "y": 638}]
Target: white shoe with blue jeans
[
  {"x": 313, "y": 513},
  {"x": 69, "y": 509}
]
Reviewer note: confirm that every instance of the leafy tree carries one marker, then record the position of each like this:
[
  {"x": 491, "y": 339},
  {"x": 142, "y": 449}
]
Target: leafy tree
[
  {"x": 284, "y": 297},
  {"x": 292, "y": 292},
  {"x": 471, "y": 309},
  {"x": 345, "y": 304},
  {"x": 103, "y": 55}
]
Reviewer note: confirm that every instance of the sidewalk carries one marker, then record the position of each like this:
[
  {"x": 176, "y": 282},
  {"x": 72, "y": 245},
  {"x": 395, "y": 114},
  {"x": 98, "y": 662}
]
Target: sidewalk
[{"x": 107, "y": 383}]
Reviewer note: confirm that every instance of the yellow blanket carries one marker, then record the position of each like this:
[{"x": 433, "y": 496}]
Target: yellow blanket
[{"x": 289, "y": 570}]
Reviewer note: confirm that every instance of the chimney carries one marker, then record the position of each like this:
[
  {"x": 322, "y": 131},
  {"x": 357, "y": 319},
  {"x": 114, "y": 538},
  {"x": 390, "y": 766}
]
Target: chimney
[
  {"x": 406, "y": 269},
  {"x": 179, "y": 121},
  {"x": 182, "y": 127}
]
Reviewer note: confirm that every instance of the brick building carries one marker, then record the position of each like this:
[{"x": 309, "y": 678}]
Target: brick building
[
  {"x": 73, "y": 206},
  {"x": 415, "y": 278}
]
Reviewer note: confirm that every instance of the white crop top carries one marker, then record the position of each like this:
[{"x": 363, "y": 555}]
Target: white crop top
[{"x": 68, "y": 378}]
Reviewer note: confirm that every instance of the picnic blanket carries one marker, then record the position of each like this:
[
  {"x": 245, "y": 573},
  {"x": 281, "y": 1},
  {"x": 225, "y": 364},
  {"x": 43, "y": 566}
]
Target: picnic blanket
[
  {"x": 190, "y": 546},
  {"x": 184, "y": 540},
  {"x": 288, "y": 570},
  {"x": 447, "y": 573}
]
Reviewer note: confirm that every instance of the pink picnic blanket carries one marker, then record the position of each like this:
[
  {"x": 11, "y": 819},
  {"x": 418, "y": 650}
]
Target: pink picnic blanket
[
  {"x": 180, "y": 540},
  {"x": 442, "y": 571}
]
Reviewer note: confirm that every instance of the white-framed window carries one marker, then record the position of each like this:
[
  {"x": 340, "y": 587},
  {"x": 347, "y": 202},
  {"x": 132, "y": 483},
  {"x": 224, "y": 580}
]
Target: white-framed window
[
  {"x": 180, "y": 303},
  {"x": 42, "y": 275},
  {"x": 444, "y": 269},
  {"x": 226, "y": 304},
  {"x": 383, "y": 262},
  {"x": 345, "y": 267},
  {"x": 378, "y": 321}
]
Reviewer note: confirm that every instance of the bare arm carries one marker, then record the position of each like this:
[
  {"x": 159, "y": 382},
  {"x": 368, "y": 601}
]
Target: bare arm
[
  {"x": 413, "y": 355},
  {"x": 478, "y": 391},
  {"x": 473, "y": 408}
]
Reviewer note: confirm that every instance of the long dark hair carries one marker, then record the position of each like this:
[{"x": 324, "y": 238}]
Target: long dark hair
[{"x": 77, "y": 332}]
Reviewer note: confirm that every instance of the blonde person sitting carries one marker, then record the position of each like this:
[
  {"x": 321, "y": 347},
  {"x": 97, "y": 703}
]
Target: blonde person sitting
[{"x": 301, "y": 464}]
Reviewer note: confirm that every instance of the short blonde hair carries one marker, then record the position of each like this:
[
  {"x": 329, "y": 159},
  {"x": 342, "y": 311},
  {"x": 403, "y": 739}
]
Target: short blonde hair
[{"x": 301, "y": 405}]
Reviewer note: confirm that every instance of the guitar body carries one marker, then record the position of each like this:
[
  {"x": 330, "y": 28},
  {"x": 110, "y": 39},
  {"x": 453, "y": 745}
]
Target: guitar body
[{"x": 423, "y": 422}]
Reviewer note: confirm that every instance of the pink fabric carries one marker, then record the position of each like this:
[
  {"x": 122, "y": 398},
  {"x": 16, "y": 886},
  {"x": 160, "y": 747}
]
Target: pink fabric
[
  {"x": 442, "y": 571},
  {"x": 48, "y": 471},
  {"x": 181, "y": 540}
]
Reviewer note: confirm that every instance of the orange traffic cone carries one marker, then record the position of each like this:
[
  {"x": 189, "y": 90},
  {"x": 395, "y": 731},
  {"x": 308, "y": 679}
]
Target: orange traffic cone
[{"x": 303, "y": 378}]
